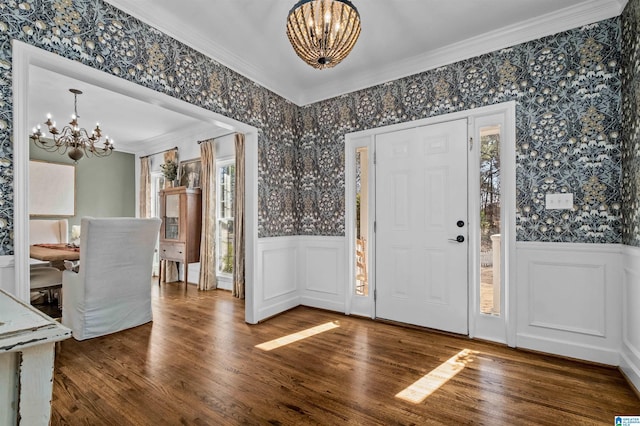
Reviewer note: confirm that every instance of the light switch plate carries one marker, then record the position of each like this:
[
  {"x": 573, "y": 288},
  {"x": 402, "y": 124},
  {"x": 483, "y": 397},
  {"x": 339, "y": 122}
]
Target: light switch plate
[{"x": 562, "y": 201}]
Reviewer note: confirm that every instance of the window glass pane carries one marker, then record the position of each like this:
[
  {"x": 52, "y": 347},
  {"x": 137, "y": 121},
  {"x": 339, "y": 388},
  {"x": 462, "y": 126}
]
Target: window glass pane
[
  {"x": 225, "y": 246},
  {"x": 224, "y": 229},
  {"x": 362, "y": 221},
  {"x": 490, "y": 220},
  {"x": 226, "y": 185}
]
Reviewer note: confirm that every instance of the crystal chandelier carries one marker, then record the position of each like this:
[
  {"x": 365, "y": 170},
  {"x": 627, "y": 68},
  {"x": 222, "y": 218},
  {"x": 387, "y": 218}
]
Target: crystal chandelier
[
  {"x": 73, "y": 138},
  {"x": 323, "y": 32}
]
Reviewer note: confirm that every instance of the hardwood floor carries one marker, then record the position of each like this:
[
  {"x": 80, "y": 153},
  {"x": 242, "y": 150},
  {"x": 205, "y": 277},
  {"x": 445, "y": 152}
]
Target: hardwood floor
[{"x": 197, "y": 364}]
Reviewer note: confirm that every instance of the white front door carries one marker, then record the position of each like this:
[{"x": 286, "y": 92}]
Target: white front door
[{"x": 421, "y": 226}]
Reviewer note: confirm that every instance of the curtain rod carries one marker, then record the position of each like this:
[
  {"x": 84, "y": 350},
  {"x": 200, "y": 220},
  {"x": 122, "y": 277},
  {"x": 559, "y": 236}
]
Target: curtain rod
[
  {"x": 217, "y": 137},
  {"x": 160, "y": 152}
]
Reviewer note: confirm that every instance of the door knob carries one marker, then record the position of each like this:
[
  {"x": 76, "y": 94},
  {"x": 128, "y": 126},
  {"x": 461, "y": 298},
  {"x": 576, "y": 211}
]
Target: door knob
[{"x": 458, "y": 239}]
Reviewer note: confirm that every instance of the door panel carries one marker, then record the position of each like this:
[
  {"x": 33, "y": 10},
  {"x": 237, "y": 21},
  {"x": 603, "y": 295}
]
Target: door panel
[{"x": 421, "y": 192}]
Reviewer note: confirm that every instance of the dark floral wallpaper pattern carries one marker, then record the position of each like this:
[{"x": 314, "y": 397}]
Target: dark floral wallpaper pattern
[
  {"x": 568, "y": 89},
  {"x": 100, "y": 36},
  {"x": 631, "y": 123}
]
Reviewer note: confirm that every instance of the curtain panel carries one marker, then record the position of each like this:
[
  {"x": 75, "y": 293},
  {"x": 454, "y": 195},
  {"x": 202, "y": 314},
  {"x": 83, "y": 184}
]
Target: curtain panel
[
  {"x": 208, "y": 279},
  {"x": 238, "y": 220},
  {"x": 145, "y": 187}
]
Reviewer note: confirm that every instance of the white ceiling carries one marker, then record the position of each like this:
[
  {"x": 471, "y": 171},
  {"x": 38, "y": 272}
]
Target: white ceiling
[
  {"x": 399, "y": 38},
  {"x": 128, "y": 121}
]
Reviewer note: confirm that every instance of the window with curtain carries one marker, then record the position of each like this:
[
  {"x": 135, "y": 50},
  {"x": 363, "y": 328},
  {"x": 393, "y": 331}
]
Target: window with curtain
[{"x": 226, "y": 178}]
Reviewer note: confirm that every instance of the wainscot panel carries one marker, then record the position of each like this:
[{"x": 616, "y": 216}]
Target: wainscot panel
[
  {"x": 7, "y": 274},
  {"x": 569, "y": 298},
  {"x": 630, "y": 353},
  {"x": 322, "y": 270},
  {"x": 277, "y": 280}
]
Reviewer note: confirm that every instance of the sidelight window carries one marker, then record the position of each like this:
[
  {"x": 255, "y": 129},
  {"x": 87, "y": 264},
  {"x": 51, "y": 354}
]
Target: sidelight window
[
  {"x": 362, "y": 221},
  {"x": 490, "y": 205}
]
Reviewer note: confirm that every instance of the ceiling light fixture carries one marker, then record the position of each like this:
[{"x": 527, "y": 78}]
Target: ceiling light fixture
[
  {"x": 323, "y": 32},
  {"x": 73, "y": 138}
]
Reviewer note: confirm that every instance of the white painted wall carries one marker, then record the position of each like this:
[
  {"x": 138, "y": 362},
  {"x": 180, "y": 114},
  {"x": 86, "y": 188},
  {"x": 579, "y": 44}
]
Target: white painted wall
[
  {"x": 569, "y": 298},
  {"x": 630, "y": 352},
  {"x": 277, "y": 287},
  {"x": 7, "y": 274},
  {"x": 322, "y": 272},
  {"x": 301, "y": 270}
]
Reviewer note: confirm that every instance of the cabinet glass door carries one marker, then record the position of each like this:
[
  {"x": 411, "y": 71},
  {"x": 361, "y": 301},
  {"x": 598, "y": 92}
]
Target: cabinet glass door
[{"x": 172, "y": 217}]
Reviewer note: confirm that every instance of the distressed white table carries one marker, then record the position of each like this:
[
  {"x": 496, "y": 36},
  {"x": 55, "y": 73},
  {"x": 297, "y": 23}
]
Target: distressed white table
[{"x": 27, "y": 350}]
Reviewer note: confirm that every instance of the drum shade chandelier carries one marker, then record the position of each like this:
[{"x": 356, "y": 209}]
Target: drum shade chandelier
[
  {"x": 323, "y": 32},
  {"x": 73, "y": 139}
]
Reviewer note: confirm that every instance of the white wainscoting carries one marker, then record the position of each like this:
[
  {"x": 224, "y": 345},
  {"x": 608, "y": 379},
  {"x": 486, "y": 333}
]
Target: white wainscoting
[
  {"x": 322, "y": 272},
  {"x": 276, "y": 287},
  {"x": 300, "y": 270},
  {"x": 630, "y": 352},
  {"x": 7, "y": 274},
  {"x": 569, "y": 298}
]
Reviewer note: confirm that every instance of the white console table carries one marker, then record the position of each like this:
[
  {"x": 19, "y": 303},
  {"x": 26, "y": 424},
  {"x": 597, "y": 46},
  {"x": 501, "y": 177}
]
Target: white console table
[{"x": 27, "y": 350}]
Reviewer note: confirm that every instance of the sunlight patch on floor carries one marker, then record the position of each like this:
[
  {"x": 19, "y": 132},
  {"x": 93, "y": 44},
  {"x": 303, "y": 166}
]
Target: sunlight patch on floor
[
  {"x": 300, "y": 335},
  {"x": 428, "y": 384}
]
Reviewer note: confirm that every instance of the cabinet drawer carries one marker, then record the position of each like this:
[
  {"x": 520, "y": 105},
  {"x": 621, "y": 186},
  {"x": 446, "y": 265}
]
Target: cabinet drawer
[{"x": 173, "y": 251}]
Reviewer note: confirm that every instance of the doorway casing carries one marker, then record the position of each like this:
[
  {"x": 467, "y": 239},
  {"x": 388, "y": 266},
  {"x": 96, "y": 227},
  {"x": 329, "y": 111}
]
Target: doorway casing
[
  {"x": 24, "y": 56},
  {"x": 479, "y": 326}
]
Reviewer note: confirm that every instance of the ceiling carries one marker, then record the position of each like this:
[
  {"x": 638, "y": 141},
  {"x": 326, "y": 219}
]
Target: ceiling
[
  {"x": 129, "y": 122},
  {"x": 398, "y": 38}
]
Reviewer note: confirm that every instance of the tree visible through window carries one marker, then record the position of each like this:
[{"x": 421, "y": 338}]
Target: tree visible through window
[
  {"x": 226, "y": 179},
  {"x": 490, "y": 221}
]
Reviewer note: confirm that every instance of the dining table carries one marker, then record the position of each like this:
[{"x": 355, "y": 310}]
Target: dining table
[{"x": 54, "y": 253}]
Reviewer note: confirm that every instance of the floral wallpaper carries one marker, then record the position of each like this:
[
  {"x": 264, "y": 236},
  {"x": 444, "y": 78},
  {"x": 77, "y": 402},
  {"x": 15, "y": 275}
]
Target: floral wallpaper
[
  {"x": 103, "y": 37},
  {"x": 568, "y": 89},
  {"x": 631, "y": 123}
]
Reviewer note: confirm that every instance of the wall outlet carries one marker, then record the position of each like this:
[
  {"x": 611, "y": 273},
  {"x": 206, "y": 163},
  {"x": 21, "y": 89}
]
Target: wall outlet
[{"x": 559, "y": 201}]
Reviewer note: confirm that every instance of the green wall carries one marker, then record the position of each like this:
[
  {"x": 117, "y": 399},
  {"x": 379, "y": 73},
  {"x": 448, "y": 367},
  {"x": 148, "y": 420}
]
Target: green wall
[{"x": 105, "y": 187}]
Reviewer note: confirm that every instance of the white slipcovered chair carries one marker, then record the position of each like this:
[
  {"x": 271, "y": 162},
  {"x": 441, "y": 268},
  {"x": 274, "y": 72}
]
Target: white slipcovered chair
[
  {"x": 46, "y": 231},
  {"x": 112, "y": 289}
]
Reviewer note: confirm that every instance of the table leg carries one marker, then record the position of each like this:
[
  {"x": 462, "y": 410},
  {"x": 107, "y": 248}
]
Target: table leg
[{"x": 36, "y": 384}]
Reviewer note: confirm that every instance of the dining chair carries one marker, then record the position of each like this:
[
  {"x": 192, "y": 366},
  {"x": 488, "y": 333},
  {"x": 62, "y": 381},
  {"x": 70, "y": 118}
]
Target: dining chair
[
  {"x": 45, "y": 279},
  {"x": 48, "y": 231},
  {"x": 111, "y": 290}
]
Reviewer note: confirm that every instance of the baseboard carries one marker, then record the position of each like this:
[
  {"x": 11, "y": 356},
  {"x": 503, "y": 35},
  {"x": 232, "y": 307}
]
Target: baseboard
[
  {"x": 277, "y": 308},
  {"x": 630, "y": 369},
  {"x": 328, "y": 305},
  {"x": 571, "y": 350}
]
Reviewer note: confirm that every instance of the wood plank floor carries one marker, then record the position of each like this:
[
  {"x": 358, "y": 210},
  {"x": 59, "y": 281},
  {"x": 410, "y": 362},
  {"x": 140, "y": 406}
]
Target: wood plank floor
[{"x": 197, "y": 364}]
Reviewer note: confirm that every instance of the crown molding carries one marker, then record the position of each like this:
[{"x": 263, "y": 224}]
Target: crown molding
[
  {"x": 143, "y": 11},
  {"x": 535, "y": 28},
  {"x": 512, "y": 35}
]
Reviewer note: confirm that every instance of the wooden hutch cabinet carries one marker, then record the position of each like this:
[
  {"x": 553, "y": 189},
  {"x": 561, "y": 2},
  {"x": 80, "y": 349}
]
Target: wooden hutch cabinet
[{"x": 181, "y": 214}]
